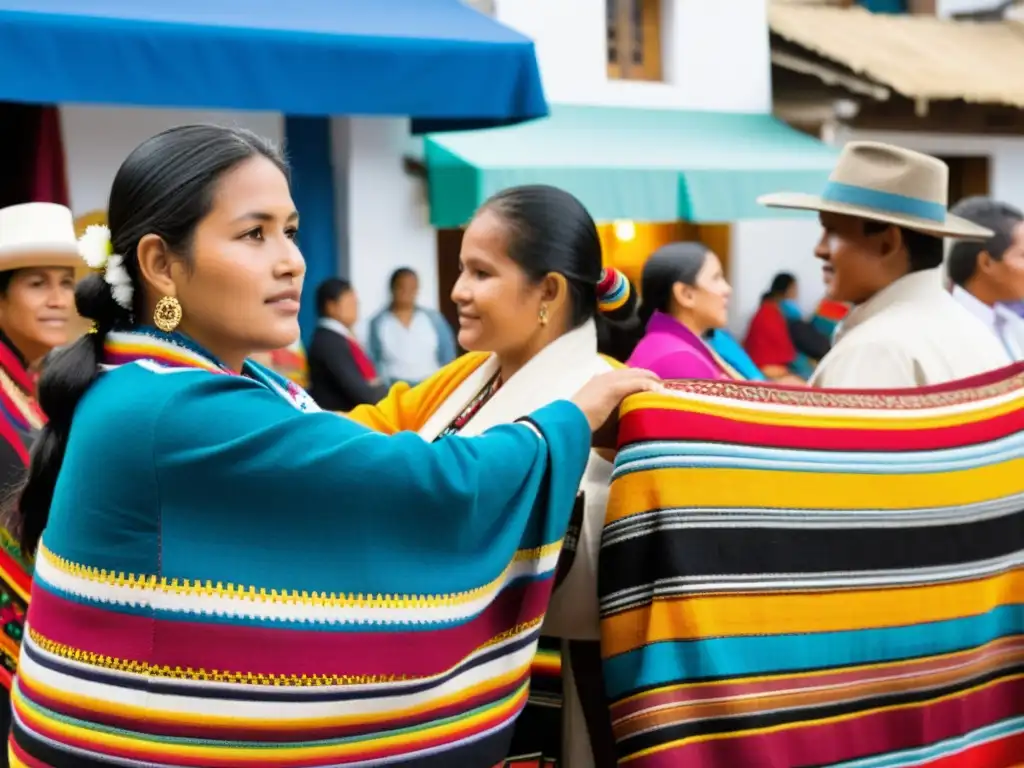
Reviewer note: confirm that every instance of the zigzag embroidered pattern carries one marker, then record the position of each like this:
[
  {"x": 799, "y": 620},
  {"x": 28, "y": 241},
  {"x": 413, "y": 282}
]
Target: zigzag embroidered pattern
[{"x": 187, "y": 587}]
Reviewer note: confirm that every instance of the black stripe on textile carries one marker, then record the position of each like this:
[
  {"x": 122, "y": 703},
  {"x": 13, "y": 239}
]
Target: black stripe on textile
[
  {"x": 538, "y": 730},
  {"x": 228, "y": 692},
  {"x": 5, "y": 723},
  {"x": 681, "y": 552},
  {"x": 483, "y": 753},
  {"x": 588, "y": 674},
  {"x": 740, "y": 723},
  {"x": 548, "y": 686},
  {"x": 571, "y": 540}
]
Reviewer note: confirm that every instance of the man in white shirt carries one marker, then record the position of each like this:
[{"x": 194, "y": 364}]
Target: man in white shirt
[
  {"x": 883, "y": 214},
  {"x": 987, "y": 276}
]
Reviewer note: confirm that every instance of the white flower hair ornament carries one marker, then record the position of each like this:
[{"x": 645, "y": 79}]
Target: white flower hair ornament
[{"x": 98, "y": 252}]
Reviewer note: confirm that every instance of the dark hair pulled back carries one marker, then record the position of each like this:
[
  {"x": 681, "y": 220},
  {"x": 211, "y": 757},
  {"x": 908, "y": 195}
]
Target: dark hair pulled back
[
  {"x": 781, "y": 283},
  {"x": 165, "y": 187},
  {"x": 329, "y": 291},
  {"x": 550, "y": 231},
  {"x": 670, "y": 264}
]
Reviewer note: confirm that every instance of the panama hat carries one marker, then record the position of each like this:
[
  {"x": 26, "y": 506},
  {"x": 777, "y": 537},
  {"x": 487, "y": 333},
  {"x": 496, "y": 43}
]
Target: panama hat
[
  {"x": 39, "y": 235},
  {"x": 881, "y": 182}
]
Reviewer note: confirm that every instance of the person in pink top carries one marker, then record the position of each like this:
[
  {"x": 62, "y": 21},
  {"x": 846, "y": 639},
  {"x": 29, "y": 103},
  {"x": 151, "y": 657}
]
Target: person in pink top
[{"x": 685, "y": 296}]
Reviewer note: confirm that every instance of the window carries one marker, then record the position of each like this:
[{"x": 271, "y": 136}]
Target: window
[{"x": 634, "y": 39}]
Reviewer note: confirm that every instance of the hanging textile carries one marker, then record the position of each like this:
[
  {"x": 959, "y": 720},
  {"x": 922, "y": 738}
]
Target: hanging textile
[
  {"x": 35, "y": 170},
  {"x": 49, "y": 179},
  {"x": 813, "y": 578}
]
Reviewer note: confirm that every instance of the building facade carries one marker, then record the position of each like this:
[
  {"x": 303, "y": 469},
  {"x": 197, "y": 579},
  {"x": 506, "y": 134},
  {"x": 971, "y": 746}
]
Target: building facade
[
  {"x": 644, "y": 54},
  {"x": 943, "y": 83}
]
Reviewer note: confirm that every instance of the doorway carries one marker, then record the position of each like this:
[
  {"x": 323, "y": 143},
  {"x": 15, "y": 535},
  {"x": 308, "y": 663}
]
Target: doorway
[
  {"x": 34, "y": 168},
  {"x": 968, "y": 176},
  {"x": 449, "y": 243}
]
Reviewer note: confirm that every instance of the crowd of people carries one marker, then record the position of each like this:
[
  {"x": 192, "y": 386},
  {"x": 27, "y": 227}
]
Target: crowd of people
[{"x": 205, "y": 565}]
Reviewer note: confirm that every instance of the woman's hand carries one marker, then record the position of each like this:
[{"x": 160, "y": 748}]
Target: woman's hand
[{"x": 600, "y": 397}]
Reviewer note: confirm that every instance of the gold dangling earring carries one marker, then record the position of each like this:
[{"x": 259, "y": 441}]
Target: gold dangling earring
[
  {"x": 542, "y": 316},
  {"x": 167, "y": 314}
]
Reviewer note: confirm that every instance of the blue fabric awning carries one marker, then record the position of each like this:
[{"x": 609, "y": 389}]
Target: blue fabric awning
[{"x": 438, "y": 61}]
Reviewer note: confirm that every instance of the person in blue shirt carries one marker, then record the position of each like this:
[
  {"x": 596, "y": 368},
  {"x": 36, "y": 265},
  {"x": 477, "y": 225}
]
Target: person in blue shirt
[{"x": 733, "y": 353}]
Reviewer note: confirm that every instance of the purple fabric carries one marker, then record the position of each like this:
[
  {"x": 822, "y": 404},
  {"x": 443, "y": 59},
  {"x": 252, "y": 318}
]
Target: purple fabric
[
  {"x": 673, "y": 351},
  {"x": 1018, "y": 307}
]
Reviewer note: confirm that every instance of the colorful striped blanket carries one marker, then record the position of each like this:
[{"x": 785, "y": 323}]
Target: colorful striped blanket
[{"x": 817, "y": 578}]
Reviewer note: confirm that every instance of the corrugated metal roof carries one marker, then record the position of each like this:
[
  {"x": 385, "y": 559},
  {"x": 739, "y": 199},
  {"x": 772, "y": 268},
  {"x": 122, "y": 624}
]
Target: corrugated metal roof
[{"x": 921, "y": 57}]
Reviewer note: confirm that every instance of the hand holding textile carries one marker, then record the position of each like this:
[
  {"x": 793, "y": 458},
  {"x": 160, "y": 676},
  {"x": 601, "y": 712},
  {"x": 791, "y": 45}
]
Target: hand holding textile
[{"x": 600, "y": 396}]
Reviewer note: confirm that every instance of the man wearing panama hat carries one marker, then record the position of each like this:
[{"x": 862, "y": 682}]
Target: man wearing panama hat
[{"x": 883, "y": 214}]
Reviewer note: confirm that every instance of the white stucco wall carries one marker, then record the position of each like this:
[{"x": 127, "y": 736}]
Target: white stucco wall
[
  {"x": 384, "y": 220},
  {"x": 98, "y": 139},
  {"x": 714, "y": 54}
]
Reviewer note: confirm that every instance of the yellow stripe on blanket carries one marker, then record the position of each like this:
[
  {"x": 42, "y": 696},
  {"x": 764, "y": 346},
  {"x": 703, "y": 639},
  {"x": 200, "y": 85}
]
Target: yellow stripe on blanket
[
  {"x": 694, "y": 488},
  {"x": 800, "y": 613}
]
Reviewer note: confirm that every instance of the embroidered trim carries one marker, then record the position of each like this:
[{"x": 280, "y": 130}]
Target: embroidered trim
[
  {"x": 760, "y": 393},
  {"x": 128, "y": 347},
  {"x": 130, "y": 666},
  {"x": 210, "y": 676},
  {"x": 317, "y": 599},
  {"x": 471, "y": 410},
  {"x": 519, "y": 629}
]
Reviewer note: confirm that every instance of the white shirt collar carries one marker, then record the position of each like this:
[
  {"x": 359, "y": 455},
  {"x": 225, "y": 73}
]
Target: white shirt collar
[
  {"x": 333, "y": 325},
  {"x": 1007, "y": 326},
  {"x": 913, "y": 287},
  {"x": 975, "y": 306}
]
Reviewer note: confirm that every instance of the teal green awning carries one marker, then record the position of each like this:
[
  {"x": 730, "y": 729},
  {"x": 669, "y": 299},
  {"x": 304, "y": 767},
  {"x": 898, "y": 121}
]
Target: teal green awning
[{"x": 623, "y": 163}]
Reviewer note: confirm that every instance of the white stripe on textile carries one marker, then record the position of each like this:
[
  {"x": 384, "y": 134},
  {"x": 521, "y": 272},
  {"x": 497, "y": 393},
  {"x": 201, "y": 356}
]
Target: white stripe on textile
[{"x": 244, "y": 605}]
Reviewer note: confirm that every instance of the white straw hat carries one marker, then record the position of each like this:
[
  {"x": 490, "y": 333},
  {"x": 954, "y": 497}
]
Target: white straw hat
[
  {"x": 881, "y": 182},
  {"x": 38, "y": 235}
]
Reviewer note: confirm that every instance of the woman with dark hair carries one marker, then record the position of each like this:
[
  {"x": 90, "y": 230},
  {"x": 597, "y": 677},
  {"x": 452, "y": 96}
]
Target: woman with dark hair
[
  {"x": 530, "y": 297},
  {"x": 406, "y": 341},
  {"x": 38, "y": 259},
  {"x": 685, "y": 296},
  {"x": 341, "y": 374},
  {"x": 769, "y": 341},
  {"x": 226, "y": 575}
]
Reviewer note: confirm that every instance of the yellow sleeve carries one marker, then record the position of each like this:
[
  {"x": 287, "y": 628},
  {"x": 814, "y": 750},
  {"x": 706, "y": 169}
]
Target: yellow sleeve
[
  {"x": 615, "y": 364},
  {"x": 406, "y": 409}
]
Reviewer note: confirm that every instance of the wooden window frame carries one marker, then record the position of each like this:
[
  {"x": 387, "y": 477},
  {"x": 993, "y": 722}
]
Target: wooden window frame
[{"x": 622, "y": 30}]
